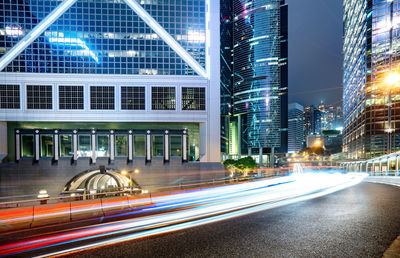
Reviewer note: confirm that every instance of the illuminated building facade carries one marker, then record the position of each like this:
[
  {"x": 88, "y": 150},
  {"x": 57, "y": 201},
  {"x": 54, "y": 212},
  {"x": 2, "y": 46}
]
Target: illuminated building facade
[
  {"x": 371, "y": 51},
  {"x": 312, "y": 120},
  {"x": 259, "y": 118},
  {"x": 296, "y": 128},
  {"x": 82, "y": 78}
]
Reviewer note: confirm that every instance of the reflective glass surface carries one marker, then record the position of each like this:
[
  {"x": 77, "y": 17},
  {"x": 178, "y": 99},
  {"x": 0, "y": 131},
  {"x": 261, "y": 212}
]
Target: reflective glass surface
[
  {"x": 139, "y": 145},
  {"x": 65, "y": 145},
  {"x": 104, "y": 37},
  {"x": 121, "y": 145},
  {"x": 46, "y": 145},
  {"x": 103, "y": 145},
  {"x": 84, "y": 148},
  {"x": 176, "y": 145},
  {"x": 157, "y": 144},
  {"x": 27, "y": 146}
]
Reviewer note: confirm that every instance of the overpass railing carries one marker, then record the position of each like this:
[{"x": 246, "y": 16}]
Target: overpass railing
[{"x": 132, "y": 191}]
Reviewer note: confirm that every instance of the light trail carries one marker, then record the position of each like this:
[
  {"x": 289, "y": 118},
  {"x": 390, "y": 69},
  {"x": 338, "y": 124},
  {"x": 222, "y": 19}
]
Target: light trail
[{"x": 196, "y": 208}]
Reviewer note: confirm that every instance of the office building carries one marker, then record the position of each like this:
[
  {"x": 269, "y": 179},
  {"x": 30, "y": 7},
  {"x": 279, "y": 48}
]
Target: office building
[
  {"x": 296, "y": 127},
  {"x": 371, "y": 54},
  {"x": 312, "y": 120},
  {"x": 259, "y": 113},
  {"x": 131, "y": 80}
]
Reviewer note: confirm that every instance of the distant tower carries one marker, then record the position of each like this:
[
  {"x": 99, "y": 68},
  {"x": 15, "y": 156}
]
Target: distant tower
[
  {"x": 260, "y": 84},
  {"x": 296, "y": 128}
]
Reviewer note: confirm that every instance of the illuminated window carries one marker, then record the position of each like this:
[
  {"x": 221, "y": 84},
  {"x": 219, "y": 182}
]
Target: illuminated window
[
  {"x": 132, "y": 98},
  {"x": 157, "y": 144},
  {"x": 163, "y": 98},
  {"x": 84, "y": 146},
  {"x": 102, "y": 97},
  {"x": 193, "y": 98},
  {"x": 39, "y": 96},
  {"x": 70, "y": 97},
  {"x": 9, "y": 96},
  {"x": 121, "y": 145},
  {"x": 103, "y": 145},
  {"x": 176, "y": 145}
]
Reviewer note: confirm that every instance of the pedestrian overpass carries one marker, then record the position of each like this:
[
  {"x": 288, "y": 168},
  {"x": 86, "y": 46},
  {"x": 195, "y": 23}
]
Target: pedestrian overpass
[{"x": 386, "y": 165}]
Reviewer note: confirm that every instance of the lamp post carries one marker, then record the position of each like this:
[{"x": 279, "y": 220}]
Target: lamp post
[
  {"x": 130, "y": 172},
  {"x": 392, "y": 81}
]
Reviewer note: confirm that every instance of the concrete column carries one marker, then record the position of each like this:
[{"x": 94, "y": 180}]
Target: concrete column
[
  {"x": 148, "y": 146},
  {"x": 184, "y": 147},
  {"x": 17, "y": 145},
  {"x": 166, "y": 146},
  {"x": 260, "y": 157},
  {"x": 272, "y": 156},
  {"x": 37, "y": 145},
  {"x": 112, "y": 145},
  {"x": 249, "y": 151},
  {"x": 75, "y": 144},
  {"x": 380, "y": 165},
  {"x": 93, "y": 143},
  {"x": 130, "y": 146},
  {"x": 56, "y": 146}
]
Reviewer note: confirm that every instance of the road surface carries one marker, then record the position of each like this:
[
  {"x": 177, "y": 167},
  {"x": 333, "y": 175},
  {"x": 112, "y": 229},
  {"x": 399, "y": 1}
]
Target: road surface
[{"x": 361, "y": 221}]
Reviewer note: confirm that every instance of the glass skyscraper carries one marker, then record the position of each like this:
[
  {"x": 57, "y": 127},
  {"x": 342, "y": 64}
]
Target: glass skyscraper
[
  {"x": 371, "y": 52},
  {"x": 127, "y": 67},
  {"x": 259, "y": 86}
]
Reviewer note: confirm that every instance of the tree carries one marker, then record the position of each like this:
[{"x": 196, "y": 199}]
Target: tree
[
  {"x": 230, "y": 165},
  {"x": 245, "y": 165}
]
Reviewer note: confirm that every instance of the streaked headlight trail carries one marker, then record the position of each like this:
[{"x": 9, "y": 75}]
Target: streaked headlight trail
[{"x": 188, "y": 209}]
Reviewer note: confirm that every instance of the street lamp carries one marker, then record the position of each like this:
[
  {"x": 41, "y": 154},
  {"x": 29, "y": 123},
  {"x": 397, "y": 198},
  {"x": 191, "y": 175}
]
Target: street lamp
[
  {"x": 130, "y": 172},
  {"x": 392, "y": 81}
]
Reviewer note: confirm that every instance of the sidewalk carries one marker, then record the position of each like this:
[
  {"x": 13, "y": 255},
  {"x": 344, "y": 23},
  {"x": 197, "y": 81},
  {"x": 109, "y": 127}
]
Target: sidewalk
[{"x": 389, "y": 180}]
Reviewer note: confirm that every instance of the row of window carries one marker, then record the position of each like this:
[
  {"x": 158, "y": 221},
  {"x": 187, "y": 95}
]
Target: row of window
[
  {"x": 102, "y": 145},
  {"x": 101, "y": 97}
]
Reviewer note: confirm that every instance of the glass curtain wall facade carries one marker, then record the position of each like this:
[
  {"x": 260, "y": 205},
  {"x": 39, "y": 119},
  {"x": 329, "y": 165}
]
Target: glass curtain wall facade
[
  {"x": 371, "y": 107},
  {"x": 296, "y": 128},
  {"x": 259, "y": 86},
  {"x": 104, "y": 37},
  {"x": 226, "y": 76}
]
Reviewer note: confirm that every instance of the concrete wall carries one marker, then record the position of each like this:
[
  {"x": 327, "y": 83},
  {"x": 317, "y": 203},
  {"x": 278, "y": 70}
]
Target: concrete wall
[{"x": 24, "y": 178}]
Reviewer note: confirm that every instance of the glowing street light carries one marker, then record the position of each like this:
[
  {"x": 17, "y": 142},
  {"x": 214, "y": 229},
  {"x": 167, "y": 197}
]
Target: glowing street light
[{"x": 392, "y": 81}]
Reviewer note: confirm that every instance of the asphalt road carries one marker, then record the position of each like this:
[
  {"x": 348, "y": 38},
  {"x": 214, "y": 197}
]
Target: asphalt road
[{"x": 361, "y": 221}]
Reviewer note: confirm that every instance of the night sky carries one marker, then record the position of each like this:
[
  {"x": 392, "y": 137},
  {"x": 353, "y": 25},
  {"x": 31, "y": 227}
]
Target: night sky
[{"x": 315, "y": 51}]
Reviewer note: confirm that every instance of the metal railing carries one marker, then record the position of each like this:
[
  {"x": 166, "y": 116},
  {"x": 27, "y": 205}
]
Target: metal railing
[{"x": 138, "y": 190}]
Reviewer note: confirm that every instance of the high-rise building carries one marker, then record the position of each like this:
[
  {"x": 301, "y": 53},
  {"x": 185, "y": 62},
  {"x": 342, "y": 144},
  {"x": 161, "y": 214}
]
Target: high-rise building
[
  {"x": 296, "y": 127},
  {"x": 371, "y": 53},
  {"x": 331, "y": 116},
  {"x": 259, "y": 114},
  {"x": 132, "y": 79},
  {"x": 227, "y": 138},
  {"x": 312, "y": 120}
]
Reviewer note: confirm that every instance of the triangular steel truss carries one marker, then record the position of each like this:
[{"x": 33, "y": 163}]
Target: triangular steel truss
[{"x": 133, "y": 4}]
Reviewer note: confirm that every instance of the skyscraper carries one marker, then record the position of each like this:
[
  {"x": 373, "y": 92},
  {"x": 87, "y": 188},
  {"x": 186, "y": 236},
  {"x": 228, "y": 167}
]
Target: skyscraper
[
  {"x": 259, "y": 86},
  {"x": 76, "y": 74},
  {"x": 312, "y": 120},
  {"x": 296, "y": 127},
  {"x": 371, "y": 52}
]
